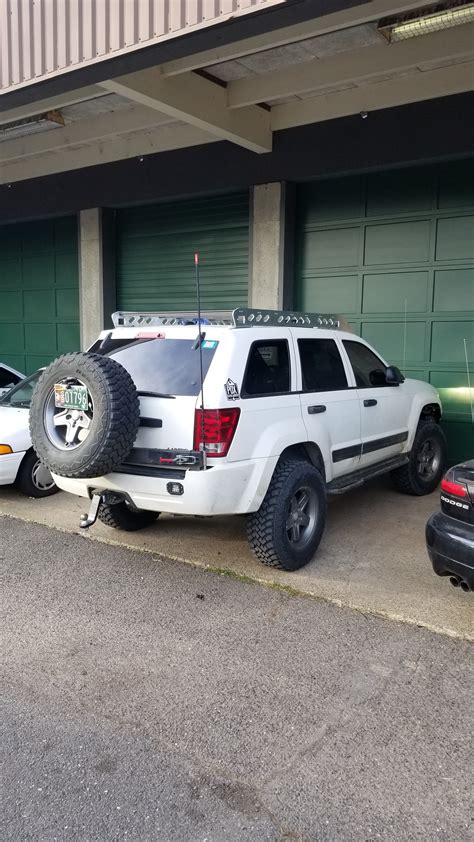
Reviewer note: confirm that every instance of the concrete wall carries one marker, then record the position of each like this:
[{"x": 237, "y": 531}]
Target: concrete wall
[{"x": 96, "y": 228}]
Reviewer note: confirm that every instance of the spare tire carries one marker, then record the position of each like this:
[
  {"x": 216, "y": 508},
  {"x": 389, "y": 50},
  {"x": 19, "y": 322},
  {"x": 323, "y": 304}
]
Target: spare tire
[{"x": 93, "y": 437}]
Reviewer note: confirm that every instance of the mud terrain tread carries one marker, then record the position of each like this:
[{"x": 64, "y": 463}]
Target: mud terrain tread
[
  {"x": 405, "y": 478},
  {"x": 260, "y": 524},
  {"x": 115, "y": 428},
  {"x": 120, "y": 516}
]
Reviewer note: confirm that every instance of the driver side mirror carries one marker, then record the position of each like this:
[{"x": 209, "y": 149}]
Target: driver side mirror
[{"x": 393, "y": 376}]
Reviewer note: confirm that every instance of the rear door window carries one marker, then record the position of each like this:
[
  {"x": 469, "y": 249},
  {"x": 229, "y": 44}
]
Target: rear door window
[
  {"x": 164, "y": 366},
  {"x": 321, "y": 365},
  {"x": 268, "y": 369}
]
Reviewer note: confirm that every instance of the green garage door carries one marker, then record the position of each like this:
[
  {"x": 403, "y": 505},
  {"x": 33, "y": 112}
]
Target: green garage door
[
  {"x": 39, "y": 292},
  {"x": 374, "y": 247},
  {"x": 156, "y": 246}
]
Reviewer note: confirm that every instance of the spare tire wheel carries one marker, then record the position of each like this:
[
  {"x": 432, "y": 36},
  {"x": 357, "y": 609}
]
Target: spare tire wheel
[{"x": 84, "y": 415}]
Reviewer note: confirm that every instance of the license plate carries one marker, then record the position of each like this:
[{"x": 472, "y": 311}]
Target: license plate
[{"x": 71, "y": 397}]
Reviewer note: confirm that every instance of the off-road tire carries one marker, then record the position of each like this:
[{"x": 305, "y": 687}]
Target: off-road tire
[
  {"x": 115, "y": 420},
  {"x": 25, "y": 478},
  {"x": 122, "y": 516},
  {"x": 266, "y": 528},
  {"x": 407, "y": 479}
]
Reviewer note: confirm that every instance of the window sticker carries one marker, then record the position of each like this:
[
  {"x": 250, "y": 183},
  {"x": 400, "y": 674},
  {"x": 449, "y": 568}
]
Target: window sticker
[
  {"x": 210, "y": 344},
  {"x": 232, "y": 390}
]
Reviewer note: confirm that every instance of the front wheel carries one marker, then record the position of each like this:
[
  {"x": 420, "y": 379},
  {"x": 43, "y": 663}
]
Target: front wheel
[
  {"x": 123, "y": 516},
  {"x": 427, "y": 462},
  {"x": 34, "y": 479},
  {"x": 287, "y": 529}
]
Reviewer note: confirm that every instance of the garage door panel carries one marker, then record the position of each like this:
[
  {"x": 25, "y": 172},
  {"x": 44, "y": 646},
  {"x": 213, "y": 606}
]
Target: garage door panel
[
  {"x": 332, "y": 248},
  {"x": 326, "y": 201},
  {"x": 447, "y": 342},
  {"x": 40, "y": 304},
  {"x": 455, "y": 240},
  {"x": 11, "y": 338},
  {"x": 390, "y": 290},
  {"x": 398, "y": 192},
  {"x": 454, "y": 290},
  {"x": 67, "y": 337},
  {"x": 456, "y": 185},
  {"x": 67, "y": 304},
  {"x": 40, "y": 338},
  {"x": 10, "y": 242},
  {"x": 66, "y": 270},
  {"x": 11, "y": 306},
  {"x": 398, "y": 242},
  {"x": 38, "y": 271},
  {"x": 389, "y": 339},
  {"x": 38, "y": 237},
  {"x": 10, "y": 271},
  {"x": 332, "y": 294}
]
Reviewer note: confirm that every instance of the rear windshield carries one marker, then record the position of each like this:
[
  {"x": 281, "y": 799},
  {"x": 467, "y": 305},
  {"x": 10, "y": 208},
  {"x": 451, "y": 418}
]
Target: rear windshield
[{"x": 165, "y": 366}]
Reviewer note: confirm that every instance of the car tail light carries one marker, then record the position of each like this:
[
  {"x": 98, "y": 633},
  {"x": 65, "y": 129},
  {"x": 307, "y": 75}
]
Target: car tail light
[
  {"x": 454, "y": 488},
  {"x": 214, "y": 430}
]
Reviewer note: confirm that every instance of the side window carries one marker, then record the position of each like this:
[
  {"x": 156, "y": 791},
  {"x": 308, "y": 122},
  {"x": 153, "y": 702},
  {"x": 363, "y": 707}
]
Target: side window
[
  {"x": 268, "y": 369},
  {"x": 7, "y": 378},
  {"x": 368, "y": 369},
  {"x": 321, "y": 365}
]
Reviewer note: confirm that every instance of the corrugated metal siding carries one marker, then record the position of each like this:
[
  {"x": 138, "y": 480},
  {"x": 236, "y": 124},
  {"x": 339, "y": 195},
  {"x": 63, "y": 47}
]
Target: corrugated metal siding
[
  {"x": 156, "y": 246},
  {"x": 42, "y": 38}
]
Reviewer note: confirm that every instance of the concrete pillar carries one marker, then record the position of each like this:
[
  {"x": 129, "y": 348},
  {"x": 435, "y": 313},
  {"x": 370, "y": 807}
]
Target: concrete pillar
[
  {"x": 96, "y": 272},
  {"x": 271, "y": 243}
]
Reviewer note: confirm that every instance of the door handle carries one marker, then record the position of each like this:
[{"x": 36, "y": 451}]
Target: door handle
[
  {"x": 370, "y": 402},
  {"x": 315, "y": 410}
]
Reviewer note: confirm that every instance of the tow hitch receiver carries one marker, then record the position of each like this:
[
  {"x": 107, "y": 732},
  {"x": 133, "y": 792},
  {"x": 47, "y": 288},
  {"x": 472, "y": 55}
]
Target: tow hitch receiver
[{"x": 90, "y": 519}]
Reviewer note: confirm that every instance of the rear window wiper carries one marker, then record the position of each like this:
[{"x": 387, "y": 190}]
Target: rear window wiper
[{"x": 155, "y": 395}]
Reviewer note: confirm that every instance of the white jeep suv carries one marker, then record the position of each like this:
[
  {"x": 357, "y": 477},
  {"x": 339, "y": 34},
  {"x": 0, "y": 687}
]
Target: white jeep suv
[{"x": 262, "y": 413}]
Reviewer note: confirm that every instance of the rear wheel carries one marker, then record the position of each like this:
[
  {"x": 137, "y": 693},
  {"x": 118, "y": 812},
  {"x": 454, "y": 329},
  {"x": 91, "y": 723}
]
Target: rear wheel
[
  {"x": 427, "y": 462},
  {"x": 34, "y": 479},
  {"x": 287, "y": 529},
  {"x": 123, "y": 516}
]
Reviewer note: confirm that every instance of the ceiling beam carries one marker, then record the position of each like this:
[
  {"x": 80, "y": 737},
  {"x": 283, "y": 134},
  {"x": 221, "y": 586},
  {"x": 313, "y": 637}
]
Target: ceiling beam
[
  {"x": 291, "y": 34},
  {"x": 82, "y": 131},
  {"x": 423, "y": 85},
  {"x": 200, "y": 103},
  {"x": 51, "y": 104},
  {"x": 351, "y": 66},
  {"x": 133, "y": 145}
]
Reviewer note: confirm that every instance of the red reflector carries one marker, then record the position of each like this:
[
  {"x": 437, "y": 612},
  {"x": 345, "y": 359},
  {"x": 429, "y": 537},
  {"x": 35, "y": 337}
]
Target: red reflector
[
  {"x": 215, "y": 429},
  {"x": 453, "y": 488}
]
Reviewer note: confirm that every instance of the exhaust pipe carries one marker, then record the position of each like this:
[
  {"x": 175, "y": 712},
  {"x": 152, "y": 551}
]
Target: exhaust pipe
[{"x": 455, "y": 581}]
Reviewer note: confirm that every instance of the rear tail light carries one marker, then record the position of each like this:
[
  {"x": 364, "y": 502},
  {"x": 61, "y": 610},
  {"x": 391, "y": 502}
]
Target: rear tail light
[
  {"x": 454, "y": 488},
  {"x": 214, "y": 430}
]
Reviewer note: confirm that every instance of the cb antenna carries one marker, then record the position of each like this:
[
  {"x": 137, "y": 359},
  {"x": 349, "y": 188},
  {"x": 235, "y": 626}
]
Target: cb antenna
[{"x": 200, "y": 339}]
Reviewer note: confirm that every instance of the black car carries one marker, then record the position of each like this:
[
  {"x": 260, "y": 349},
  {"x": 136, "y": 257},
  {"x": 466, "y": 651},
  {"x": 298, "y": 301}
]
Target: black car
[{"x": 450, "y": 532}]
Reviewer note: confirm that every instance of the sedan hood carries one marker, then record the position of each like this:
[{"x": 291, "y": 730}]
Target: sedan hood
[{"x": 14, "y": 428}]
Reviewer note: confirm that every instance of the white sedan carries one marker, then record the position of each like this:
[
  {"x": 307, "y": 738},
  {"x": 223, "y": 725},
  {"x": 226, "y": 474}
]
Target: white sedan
[
  {"x": 18, "y": 461},
  {"x": 9, "y": 377}
]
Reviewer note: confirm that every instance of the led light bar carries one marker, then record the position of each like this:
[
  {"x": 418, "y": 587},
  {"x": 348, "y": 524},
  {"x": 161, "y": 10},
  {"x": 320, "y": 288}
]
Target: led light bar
[{"x": 424, "y": 24}]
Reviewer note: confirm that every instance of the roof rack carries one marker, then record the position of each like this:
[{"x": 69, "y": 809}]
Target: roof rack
[
  {"x": 245, "y": 317},
  {"x": 129, "y": 319},
  {"x": 242, "y": 317}
]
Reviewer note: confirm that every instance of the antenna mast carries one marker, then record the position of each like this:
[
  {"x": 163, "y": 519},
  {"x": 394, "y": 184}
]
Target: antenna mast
[{"x": 200, "y": 338}]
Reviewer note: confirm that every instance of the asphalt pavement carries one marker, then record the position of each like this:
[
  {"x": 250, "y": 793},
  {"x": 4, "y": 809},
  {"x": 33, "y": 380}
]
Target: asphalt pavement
[{"x": 145, "y": 699}]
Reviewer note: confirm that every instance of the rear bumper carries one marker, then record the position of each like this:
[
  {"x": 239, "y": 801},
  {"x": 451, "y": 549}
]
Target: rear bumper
[
  {"x": 9, "y": 464},
  {"x": 226, "y": 488},
  {"x": 450, "y": 545}
]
